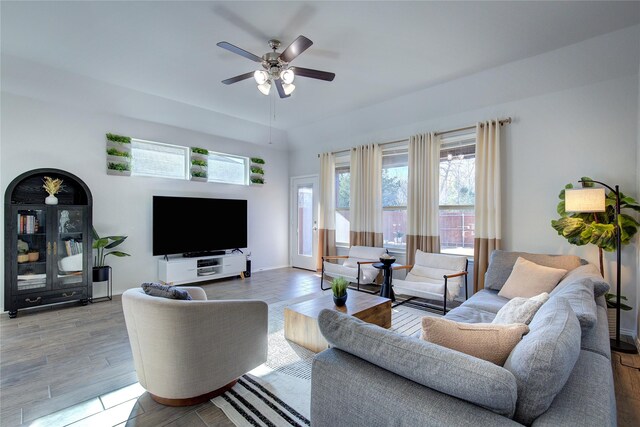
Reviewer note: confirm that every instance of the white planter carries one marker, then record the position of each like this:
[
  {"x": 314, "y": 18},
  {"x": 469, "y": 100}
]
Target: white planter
[
  {"x": 117, "y": 172},
  {"x": 198, "y": 156},
  {"x": 119, "y": 146},
  {"x": 51, "y": 200},
  {"x": 118, "y": 159},
  {"x": 199, "y": 178}
]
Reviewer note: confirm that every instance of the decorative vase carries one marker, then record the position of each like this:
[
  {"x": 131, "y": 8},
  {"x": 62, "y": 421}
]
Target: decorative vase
[
  {"x": 33, "y": 256},
  {"x": 51, "y": 200},
  {"x": 340, "y": 301}
]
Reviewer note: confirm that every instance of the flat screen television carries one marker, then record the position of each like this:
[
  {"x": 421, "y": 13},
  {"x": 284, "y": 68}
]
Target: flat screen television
[{"x": 191, "y": 225}]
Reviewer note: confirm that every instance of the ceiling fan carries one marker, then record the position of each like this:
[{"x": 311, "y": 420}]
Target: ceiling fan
[{"x": 276, "y": 67}]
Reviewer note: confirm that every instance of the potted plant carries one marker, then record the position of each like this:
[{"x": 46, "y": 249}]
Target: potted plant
[
  {"x": 611, "y": 311},
  {"x": 339, "y": 287},
  {"x": 52, "y": 187},
  {"x": 100, "y": 244}
]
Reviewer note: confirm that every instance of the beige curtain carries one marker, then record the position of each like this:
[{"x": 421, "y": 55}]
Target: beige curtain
[
  {"x": 424, "y": 193},
  {"x": 366, "y": 196},
  {"x": 327, "y": 207},
  {"x": 488, "y": 220}
]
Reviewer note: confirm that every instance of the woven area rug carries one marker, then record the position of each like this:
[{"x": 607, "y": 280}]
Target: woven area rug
[{"x": 278, "y": 392}]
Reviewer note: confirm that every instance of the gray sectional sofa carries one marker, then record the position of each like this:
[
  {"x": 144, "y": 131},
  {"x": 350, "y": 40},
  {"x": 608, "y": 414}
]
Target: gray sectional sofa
[{"x": 558, "y": 375}]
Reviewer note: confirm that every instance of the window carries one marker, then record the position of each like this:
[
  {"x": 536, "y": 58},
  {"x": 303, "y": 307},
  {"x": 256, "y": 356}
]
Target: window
[
  {"x": 343, "y": 189},
  {"x": 228, "y": 169},
  {"x": 395, "y": 176},
  {"x": 457, "y": 194},
  {"x": 159, "y": 160}
]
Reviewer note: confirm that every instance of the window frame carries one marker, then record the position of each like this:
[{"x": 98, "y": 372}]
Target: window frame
[
  {"x": 462, "y": 140},
  {"x": 396, "y": 151},
  {"x": 342, "y": 163},
  {"x": 246, "y": 163},
  {"x": 187, "y": 159}
]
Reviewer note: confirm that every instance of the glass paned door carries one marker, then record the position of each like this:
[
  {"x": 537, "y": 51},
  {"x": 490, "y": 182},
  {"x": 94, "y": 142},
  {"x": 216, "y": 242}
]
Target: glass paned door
[
  {"x": 69, "y": 246},
  {"x": 32, "y": 249},
  {"x": 304, "y": 223}
]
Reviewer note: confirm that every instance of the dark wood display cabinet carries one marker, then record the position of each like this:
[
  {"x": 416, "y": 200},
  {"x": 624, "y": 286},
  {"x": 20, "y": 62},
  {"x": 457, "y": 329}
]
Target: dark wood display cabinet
[{"x": 47, "y": 247}]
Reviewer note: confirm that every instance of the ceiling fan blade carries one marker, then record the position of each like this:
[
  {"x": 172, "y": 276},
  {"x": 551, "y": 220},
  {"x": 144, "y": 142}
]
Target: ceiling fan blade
[
  {"x": 238, "y": 51},
  {"x": 298, "y": 46},
  {"x": 313, "y": 74},
  {"x": 239, "y": 78},
  {"x": 281, "y": 89}
]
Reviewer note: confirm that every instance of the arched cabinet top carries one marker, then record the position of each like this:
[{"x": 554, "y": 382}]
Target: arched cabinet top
[{"x": 27, "y": 188}]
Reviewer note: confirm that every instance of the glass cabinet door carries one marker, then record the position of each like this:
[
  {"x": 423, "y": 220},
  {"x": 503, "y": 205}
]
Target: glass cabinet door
[
  {"x": 69, "y": 247},
  {"x": 32, "y": 249}
]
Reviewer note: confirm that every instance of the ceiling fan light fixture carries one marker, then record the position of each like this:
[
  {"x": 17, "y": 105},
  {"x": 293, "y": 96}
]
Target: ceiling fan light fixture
[
  {"x": 287, "y": 76},
  {"x": 265, "y": 87},
  {"x": 261, "y": 76},
  {"x": 288, "y": 88}
]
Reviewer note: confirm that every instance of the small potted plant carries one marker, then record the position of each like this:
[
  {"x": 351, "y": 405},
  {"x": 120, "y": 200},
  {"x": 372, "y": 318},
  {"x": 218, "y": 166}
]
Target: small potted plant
[
  {"x": 52, "y": 187},
  {"x": 339, "y": 287},
  {"x": 100, "y": 269}
]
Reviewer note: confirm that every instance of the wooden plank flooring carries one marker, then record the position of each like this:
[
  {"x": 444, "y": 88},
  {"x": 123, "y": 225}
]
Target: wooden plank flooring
[{"x": 78, "y": 357}]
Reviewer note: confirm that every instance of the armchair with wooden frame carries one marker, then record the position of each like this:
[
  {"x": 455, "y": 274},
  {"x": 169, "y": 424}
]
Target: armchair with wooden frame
[
  {"x": 356, "y": 268},
  {"x": 433, "y": 277}
]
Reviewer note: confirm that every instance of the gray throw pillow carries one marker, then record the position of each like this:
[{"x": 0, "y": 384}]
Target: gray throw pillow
[
  {"x": 165, "y": 291},
  {"x": 579, "y": 294},
  {"x": 501, "y": 264},
  {"x": 590, "y": 274},
  {"x": 520, "y": 310},
  {"x": 542, "y": 362}
]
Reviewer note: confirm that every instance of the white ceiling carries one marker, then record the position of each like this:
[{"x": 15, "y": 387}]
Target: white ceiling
[{"x": 378, "y": 50}]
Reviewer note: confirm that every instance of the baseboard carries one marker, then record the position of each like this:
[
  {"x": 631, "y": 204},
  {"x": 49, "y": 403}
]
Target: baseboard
[{"x": 271, "y": 268}]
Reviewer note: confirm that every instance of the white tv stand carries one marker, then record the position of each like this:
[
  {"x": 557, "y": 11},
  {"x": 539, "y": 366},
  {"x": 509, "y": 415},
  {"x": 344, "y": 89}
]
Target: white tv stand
[{"x": 178, "y": 270}]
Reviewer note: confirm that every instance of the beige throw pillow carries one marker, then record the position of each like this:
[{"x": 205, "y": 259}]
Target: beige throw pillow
[
  {"x": 529, "y": 279},
  {"x": 482, "y": 340},
  {"x": 520, "y": 310}
]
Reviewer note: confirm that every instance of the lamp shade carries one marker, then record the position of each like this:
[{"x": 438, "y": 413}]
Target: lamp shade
[
  {"x": 265, "y": 87},
  {"x": 584, "y": 200},
  {"x": 260, "y": 76}
]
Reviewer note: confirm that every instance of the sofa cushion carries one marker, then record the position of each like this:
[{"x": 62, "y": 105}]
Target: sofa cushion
[
  {"x": 368, "y": 273},
  {"x": 578, "y": 290},
  {"x": 596, "y": 339},
  {"x": 363, "y": 254},
  {"x": 501, "y": 263},
  {"x": 165, "y": 291},
  {"x": 588, "y": 274},
  {"x": 467, "y": 314},
  {"x": 587, "y": 399},
  {"x": 544, "y": 359},
  {"x": 487, "y": 341},
  {"x": 528, "y": 279},
  {"x": 520, "y": 310},
  {"x": 447, "y": 371},
  {"x": 487, "y": 300}
]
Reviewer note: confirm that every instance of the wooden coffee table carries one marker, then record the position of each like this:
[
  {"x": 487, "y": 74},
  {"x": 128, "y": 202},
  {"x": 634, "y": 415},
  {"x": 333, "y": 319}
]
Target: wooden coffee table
[{"x": 301, "y": 320}]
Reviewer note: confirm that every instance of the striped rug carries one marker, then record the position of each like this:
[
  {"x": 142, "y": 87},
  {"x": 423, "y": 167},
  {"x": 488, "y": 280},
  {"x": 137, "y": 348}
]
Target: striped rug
[{"x": 278, "y": 392}]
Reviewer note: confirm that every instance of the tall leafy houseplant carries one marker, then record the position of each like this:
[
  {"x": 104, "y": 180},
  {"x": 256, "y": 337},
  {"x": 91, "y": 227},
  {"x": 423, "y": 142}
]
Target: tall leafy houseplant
[
  {"x": 102, "y": 246},
  {"x": 597, "y": 228}
]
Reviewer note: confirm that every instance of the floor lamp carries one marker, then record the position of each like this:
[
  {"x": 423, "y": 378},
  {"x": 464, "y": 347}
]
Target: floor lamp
[{"x": 589, "y": 199}]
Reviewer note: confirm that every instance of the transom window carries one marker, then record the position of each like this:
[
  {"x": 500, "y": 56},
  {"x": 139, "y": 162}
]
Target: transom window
[
  {"x": 159, "y": 160},
  {"x": 228, "y": 169}
]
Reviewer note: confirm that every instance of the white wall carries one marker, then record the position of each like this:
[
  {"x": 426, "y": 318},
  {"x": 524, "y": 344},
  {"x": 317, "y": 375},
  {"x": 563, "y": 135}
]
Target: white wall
[
  {"x": 575, "y": 114},
  {"x": 36, "y": 134}
]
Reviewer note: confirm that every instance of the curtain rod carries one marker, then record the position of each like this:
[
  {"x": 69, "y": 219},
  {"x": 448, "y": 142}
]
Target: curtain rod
[{"x": 502, "y": 122}]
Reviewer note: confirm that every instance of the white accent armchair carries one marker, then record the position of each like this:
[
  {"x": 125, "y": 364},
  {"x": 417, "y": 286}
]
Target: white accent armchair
[
  {"x": 433, "y": 276},
  {"x": 186, "y": 352},
  {"x": 356, "y": 266}
]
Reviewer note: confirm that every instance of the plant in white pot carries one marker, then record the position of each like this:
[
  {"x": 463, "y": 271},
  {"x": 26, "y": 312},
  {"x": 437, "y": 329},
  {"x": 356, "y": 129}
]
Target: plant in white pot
[{"x": 102, "y": 246}]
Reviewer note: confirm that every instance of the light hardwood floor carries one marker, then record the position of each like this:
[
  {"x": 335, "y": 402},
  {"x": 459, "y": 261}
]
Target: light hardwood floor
[{"x": 78, "y": 357}]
